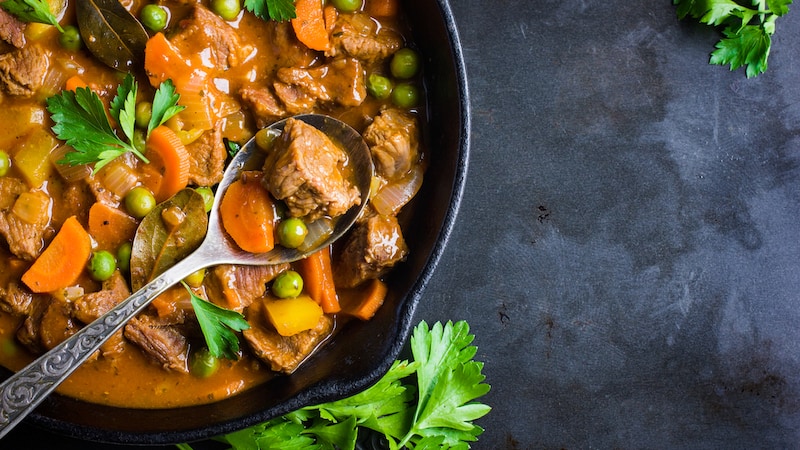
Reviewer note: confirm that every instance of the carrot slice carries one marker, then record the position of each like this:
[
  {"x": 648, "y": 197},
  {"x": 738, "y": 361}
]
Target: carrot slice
[
  {"x": 309, "y": 24},
  {"x": 382, "y": 8},
  {"x": 168, "y": 170},
  {"x": 162, "y": 61},
  {"x": 363, "y": 301},
  {"x": 317, "y": 273},
  {"x": 109, "y": 226},
  {"x": 248, "y": 215},
  {"x": 74, "y": 82},
  {"x": 63, "y": 261},
  {"x": 330, "y": 15}
]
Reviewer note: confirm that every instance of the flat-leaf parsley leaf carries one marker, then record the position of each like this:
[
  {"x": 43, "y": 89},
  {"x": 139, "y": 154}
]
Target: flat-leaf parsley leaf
[
  {"x": 32, "y": 11},
  {"x": 219, "y": 326},
  {"x": 280, "y": 10},
  {"x": 747, "y": 30}
]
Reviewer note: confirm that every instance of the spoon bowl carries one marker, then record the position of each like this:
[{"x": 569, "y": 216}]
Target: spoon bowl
[{"x": 23, "y": 391}]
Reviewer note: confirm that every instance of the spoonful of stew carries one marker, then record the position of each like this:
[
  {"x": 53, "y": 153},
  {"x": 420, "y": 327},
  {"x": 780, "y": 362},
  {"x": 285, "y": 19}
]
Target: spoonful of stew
[{"x": 319, "y": 167}]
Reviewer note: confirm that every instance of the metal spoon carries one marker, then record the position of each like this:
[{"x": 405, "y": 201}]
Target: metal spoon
[{"x": 26, "y": 389}]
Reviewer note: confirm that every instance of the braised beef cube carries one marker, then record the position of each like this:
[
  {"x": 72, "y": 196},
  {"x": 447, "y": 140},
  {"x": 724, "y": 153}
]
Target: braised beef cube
[
  {"x": 282, "y": 353},
  {"x": 305, "y": 171},
  {"x": 12, "y": 30},
  {"x": 342, "y": 81},
  {"x": 262, "y": 103},
  {"x": 358, "y": 36},
  {"x": 25, "y": 237},
  {"x": 235, "y": 287},
  {"x": 29, "y": 333},
  {"x": 10, "y": 188},
  {"x": 371, "y": 249},
  {"x": 78, "y": 198},
  {"x": 207, "y": 158},
  {"x": 22, "y": 71},
  {"x": 207, "y": 32},
  {"x": 56, "y": 324},
  {"x": 87, "y": 308},
  {"x": 17, "y": 300},
  {"x": 393, "y": 139},
  {"x": 164, "y": 344}
]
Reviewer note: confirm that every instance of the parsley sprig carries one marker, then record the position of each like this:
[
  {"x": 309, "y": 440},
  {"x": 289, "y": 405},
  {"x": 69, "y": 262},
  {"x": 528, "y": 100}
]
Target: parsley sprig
[
  {"x": 32, "y": 11},
  {"x": 279, "y": 10},
  {"x": 424, "y": 404},
  {"x": 219, "y": 326},
  {"x": 748, "y": 30},
  {"x": 81, "y": 121}
]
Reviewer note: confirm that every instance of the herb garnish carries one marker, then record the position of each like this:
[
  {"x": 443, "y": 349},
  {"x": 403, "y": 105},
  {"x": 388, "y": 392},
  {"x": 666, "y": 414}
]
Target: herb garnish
[
  {"x": 747, "y": 31},
  {"x": 219, "y": 326},
  {"x": 434, "y": 411},
  {"x": 279, "y": 10},
  {"x": 32, "y": 11},
  {"x": 82, "y": 122}
]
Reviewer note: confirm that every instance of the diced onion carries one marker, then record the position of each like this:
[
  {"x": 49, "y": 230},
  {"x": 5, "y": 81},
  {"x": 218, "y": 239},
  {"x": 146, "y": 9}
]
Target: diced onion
[
  {"x": 396, "y": 194},
  {"x": 67, "y": 171},
  {"x": 31, "y": 206},
  {"x": 318, "y": 231},
  {"x": 118, "y": 177}
]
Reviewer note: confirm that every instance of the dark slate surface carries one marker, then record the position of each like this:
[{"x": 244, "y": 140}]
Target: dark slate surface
[{"x": 627, "y": 249}]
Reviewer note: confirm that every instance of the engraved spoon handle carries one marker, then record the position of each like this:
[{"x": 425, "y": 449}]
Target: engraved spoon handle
[{"x": 23, "y": 391}]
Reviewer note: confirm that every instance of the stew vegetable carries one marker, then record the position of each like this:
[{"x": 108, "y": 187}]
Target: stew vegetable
[{"x": 110, "y": 153}]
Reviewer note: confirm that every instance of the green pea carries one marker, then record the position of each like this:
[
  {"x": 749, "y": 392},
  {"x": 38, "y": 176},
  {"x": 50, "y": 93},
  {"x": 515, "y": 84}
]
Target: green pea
[
  {"x": 154, "y": 17},
  {"x": 379, "y": 86},
  {"x": 347, "y": 5},
  {"x": 139, "y": 201},
  {"x": 139, "y": 139},
  {"x": 292, "y": 232},
  {"x": 288, "y": 284},
  {"x": 124, "y": 256},
  {"x": 265, "y": 137},
  {"x": 142, "y": 114},
  {"x": 405, "y": 95},
  {"x": 70, "y": 39},
  {"x": 208, "y": 196},
  {"x": 227, "y": 9},
  {"x": 195, "y": 279},
  {"x": 203, "y": 364},
  {"x": 102, "y": 265},
  {"x": 404, "y": 63},
  {"x": 5, "y": 163}
]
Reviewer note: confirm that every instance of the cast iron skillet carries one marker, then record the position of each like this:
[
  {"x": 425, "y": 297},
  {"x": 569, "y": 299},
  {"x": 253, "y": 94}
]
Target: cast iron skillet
[{"x": 361, "y": 352}]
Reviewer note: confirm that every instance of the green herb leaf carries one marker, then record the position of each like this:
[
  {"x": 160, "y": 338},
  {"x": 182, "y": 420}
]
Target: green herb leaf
[
  {"x": 123, "y": 105},
  {"x": 219, "y": 326},
  {"x": 81, "y": 121},
  {"x": 279, "y": 10},
  {"x": 747, "y": 31},
  {"x": 32, "y": 11},
  {"x": 165, "y": 105},
  {"x": 436, "y": 411}
]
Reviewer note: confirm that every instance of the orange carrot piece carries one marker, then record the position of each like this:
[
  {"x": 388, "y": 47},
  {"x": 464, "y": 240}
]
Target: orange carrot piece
[
  {"x": 74, "y": 82},
  {"x": 63, "y": 261},
  {"x": 363, "y": 301},
  {"x": 248, "y": 215},
  {"x": 309, "y": 24},
  {"x": 110, "y": 226},
  {"x": 317, "y": 273},
  {"x": 330, "y": 14},
  {"x": 168, "y": 170},
  {"x": 162, "y": 61},
  {"x": 382, "y": 8}
]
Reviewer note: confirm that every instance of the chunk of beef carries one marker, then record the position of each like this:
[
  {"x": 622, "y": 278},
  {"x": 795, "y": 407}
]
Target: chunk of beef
[
  {"x": 28, "y": 333},
  {"x": 341, "y": 81},
  {"x": 78, "y": 198},
  {"x": 207, "y": 158},
  {"x": 17, "y": 300},
  {"x": 263, "y": 105},
  {"x": 56, "y": 324},
  {"x": 214, "y": 39},
  {"x": 282, "y": 353},
  {"x": 236, "y": 287},
  {"x": 89, "y": 307},
  {"x": 10, "y": 189},
  {"x": 22, "y": 71},
  {"x": 371, "y": 249},
  {"x": 393, "y": 139},
  {"x": 358, "y": 36},
  {"x": 305, "y": 171},
  {"x": 286, "y": 49},
  {"x": 25, "y": 237},
  {"x": 164, "y": 344},
  {"x": 12, "y": 30}
]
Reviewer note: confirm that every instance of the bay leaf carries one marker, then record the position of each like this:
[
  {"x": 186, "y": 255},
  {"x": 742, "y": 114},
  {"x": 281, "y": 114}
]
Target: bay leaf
[
  {"x": 158, "y": 245},
  {"x": 112, "y": 33}
]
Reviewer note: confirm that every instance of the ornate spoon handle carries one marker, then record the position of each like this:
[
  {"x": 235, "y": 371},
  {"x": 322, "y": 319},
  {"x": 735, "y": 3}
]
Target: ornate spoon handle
[{"x": 26, "y": 389}]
